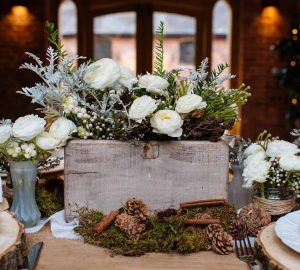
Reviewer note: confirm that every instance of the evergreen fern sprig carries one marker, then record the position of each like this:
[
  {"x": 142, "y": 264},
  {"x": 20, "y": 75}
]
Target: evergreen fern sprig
[
  {"x": 53, "y": 37},
  {"x": 159, "y": 51},
  {"x": 215, "y": 73}
]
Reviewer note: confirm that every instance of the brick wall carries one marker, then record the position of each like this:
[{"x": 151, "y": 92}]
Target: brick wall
[
  {"x": 20, "y": 31},
  {"x": 259, "y": 29}
]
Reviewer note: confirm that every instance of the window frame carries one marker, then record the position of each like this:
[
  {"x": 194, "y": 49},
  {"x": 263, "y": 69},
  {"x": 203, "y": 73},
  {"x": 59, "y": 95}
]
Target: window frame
[{"x": 202, "y": 11}]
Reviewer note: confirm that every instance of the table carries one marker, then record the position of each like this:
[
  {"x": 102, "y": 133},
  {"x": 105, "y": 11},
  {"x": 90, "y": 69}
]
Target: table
[{"x": 60, "y": 254}]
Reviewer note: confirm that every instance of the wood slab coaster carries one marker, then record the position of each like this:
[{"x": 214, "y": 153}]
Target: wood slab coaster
[
  {"x": 13, "y": 251},
  {"x": 273, "y": 253},
  {"x": 4, "y": 205}
]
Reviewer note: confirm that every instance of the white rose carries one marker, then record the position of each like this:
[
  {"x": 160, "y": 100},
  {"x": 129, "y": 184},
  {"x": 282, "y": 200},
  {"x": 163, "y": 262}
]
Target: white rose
[
  {"x": 141, "y": 108},
  {"x": 167, "y": 122},
  {"x": 28, "y": 127},
  {"x": 153, "y": 84},
  {"x": 103, "y": 73},
  {"x": 46, "y": 142},
  {"x": 256, "y": 171},
  {"x": 280, "y": 148},
  {"x": 189, "y": 103},
  {"x": 290, "y": 163},
  {"x": 127, "y": 77},
  {"x": 259, "y": 156},
  {"x": 253, "y": 149},
  {"x": 5, "y": 133},
  {"x": 61, "y": 129}
]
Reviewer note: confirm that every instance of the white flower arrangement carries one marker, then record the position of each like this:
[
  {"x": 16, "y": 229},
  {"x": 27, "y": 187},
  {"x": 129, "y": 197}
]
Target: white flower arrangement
[
  {"x": 26, "y": 139},
  {"x": 107, "y": 101},
  {"x": 272, "y": 163}
]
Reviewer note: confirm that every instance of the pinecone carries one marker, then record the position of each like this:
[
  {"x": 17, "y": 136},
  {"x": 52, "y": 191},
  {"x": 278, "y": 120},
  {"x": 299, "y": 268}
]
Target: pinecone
[
  {"x": 255, "y": 217},
  {"x": 222, "y": 243},
  {"x": 197, "y": 113},
  {"x": 130, "y": 225},
  {"x": 136, "y": 208},
  {"x": 238, "y": 229},
  {"x": 212, "y": 229}
]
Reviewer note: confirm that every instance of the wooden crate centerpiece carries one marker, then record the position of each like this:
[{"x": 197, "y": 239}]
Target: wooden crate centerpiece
[{"x": 102, "y": 174}]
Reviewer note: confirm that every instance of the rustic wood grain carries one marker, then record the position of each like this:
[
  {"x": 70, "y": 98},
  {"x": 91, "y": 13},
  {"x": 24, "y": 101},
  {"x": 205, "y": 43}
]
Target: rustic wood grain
[
  {"x": 61, "y": 254},
  {"x": 274, "y": 253},
  {"x": 12, "y": 242},
  {"x": 103, "y": 174}
]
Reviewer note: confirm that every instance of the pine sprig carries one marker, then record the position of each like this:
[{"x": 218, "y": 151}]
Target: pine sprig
[
  {"x": 215, "y": 73},
  {"x": 54, "y": 39},
  {"x": 159, "y": 51}
]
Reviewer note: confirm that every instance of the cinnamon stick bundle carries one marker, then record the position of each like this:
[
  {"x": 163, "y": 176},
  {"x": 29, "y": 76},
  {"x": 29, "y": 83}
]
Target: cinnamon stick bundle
[
  {"x": 105, "y": 222},
  {"x": 211, "y": 202},
  {"x": 205, "y": 221}
]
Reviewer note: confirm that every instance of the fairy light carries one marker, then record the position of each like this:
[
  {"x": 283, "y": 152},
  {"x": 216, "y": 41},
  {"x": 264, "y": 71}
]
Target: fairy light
[
  {"x": 295, "y": 31},
  {"x": 294, "y": 101},
  {"x": 293, "y": 63}
]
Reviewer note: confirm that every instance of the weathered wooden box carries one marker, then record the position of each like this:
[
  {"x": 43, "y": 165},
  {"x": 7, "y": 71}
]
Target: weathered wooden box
[{"x": 103, "y": 174}]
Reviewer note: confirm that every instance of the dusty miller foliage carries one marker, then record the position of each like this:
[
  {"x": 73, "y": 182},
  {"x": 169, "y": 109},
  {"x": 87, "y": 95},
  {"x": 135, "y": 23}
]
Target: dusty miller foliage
[{"x": 59, "y": 79}]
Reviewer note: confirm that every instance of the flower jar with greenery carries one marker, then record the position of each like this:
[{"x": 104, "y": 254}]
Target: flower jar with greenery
[
  {"x": 272, "y": 168},
  {"x": 25, "y": 143}
]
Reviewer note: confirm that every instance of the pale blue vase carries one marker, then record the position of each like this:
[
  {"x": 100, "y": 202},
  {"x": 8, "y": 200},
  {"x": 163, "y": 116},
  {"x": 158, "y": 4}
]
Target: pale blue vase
[{"x": 23, "y": 175}]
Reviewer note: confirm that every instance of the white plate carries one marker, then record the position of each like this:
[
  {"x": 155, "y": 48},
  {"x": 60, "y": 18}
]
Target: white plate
[{"x": 287, "y": 228}]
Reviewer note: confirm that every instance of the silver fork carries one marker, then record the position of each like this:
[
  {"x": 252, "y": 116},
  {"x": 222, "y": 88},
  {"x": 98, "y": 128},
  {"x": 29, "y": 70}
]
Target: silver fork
[{"x": 245, "y": 252}]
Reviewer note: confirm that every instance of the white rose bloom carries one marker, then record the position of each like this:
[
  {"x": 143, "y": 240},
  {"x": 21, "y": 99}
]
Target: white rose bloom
[
  {"x": 189, "y": 103},
  {"x": 153, "y": 84},
  {"x": 46, "y": 142},
  {"x": 28, "y": 127},
  {"x": 167, "y": 122},
  {"x": 61, "y": 129},
  {"x": 5, "y": 133},
  {"x": 127, "y": 77},
  {"x": 253, "y": 149},
  {"x": 103, "y": 73},
  {"x": 259, "y": 156},
  {"x": 141, "y": 108},
  {"x": 256, "y": 171},
  {"x": 290, "y": 163},
  {"x": 280, "y": 148}
]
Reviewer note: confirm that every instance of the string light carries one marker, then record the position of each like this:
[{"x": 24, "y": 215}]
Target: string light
[
  {"x": 295, "y": 31},
  {"x": 293, "y": 63},
  {"x": 294, "y": 101}
]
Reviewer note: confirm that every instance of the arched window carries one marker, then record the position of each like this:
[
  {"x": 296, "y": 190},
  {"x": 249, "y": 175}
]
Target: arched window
[
  {"x": 123, "y": 30},
  {"x": 221, "y": 38},
  {"x": 67, "y": 25},
  {"x": 115, "y": 37},
  {"x": 180, "y": 39}
]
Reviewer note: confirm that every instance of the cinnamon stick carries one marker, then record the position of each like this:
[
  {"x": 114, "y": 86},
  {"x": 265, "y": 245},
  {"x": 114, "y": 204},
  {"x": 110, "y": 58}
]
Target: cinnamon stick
[
  {"x": 204, "y": 221},
  {"x": 212, "y": 202},
  {"x": 105, "y": 222}
]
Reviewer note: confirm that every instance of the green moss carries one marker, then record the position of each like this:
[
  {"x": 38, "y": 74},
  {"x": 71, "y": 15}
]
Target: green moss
[
  {"x": 162, "y": 235},
  {"x": 49, "y": 197},
  {"x": 226, "y": 213},
  {"x": 192, "y": 240}
]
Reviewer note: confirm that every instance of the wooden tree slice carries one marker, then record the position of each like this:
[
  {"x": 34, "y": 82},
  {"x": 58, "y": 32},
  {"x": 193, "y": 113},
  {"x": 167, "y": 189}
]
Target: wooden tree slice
[
  {"x": 13, "y": 249},
  {"x": 4, "y": 205},
  {"x": 273, "y": 253}
]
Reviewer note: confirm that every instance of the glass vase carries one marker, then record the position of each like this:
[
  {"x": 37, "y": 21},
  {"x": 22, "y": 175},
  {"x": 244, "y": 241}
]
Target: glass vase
[
  {"x": 23, "y": 175},
  {"x": 237, "y": 194}
]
